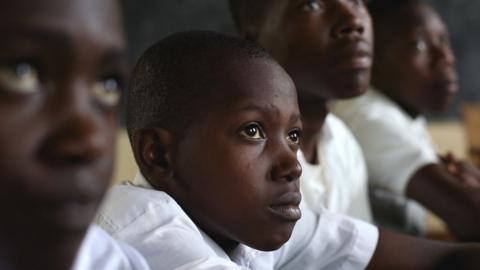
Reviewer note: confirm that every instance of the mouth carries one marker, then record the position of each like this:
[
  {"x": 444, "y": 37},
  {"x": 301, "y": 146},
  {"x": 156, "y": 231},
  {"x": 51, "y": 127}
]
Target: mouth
[
  {"x": 287, "y": 207},
  {"x": 69, "y": 214},
  {"x": 448, "y": 85},
  {"x": 355, "y": 56}
]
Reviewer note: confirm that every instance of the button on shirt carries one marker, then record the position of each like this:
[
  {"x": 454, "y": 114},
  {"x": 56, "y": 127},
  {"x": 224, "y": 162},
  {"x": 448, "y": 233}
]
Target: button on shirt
[
  {"x": 339, "y": 182},
  {"x": 153, "y": 223}
]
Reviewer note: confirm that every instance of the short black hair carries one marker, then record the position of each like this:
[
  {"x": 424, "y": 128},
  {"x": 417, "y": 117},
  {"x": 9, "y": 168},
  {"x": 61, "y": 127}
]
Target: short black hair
[
  {"x": 387, "y": 15},
  {"x": 248, "y": 14},
  {"x": 172, "y": 75}
]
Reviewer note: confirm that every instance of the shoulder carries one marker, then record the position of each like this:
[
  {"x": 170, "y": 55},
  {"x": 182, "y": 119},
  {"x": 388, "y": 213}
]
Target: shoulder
[
  {"x": 153, "y": 223},
  {"x": 100, "y": 251},
  {"x": 129, "y": 206},
  {"x": 373, "y": 107}
]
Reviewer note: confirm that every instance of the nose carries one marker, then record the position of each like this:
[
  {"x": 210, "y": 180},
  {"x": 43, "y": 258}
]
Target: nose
[
  {"x": 286, "y": 168},
  {"x": 350, "y": 23},
  {"x": 444, "y": 56},
  {"x": 77, "y": 137}
]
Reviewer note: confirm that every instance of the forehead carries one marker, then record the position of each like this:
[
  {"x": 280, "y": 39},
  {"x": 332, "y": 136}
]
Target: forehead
[
  {"x": 94, "y": 20},
  {"x": 252, "y": 79},
  {"x": 419, "y": 16}
]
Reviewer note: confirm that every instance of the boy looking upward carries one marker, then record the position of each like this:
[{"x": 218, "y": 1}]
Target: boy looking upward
[
  {"x": 414, "y": 72},
  {"x": 215, "y": 127},
  {"x": 61, "y": 72},
  {"x": 215, "y": 130}
]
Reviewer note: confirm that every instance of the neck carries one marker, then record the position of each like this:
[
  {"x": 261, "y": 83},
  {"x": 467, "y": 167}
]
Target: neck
[
  {"x": 41, "y": 250},
  {"x": 314, "y": 111},
  {"x": 389, "y": 90}
]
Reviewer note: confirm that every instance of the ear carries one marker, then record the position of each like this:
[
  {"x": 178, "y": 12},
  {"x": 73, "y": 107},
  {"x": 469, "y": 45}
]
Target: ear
[{"x": 152, "y": 149}]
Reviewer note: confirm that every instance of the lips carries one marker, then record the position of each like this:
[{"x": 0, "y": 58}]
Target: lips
[
  {"x": 286, "y": 207},
  {"x": 356, "y": 55}
]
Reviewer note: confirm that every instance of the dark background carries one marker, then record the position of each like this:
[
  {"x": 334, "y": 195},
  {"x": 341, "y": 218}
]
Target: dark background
[{"x": 150, "y": 20}]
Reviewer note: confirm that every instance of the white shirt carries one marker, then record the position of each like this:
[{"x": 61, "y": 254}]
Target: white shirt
[
  {"x": 395, "y": 146},
  {"x": 156, "y": 225},
  {"x": 339, "y": 182},
  {"x": 100, "y": 251}
]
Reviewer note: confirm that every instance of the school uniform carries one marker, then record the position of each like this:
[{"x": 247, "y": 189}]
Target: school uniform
[
  {"x": 100, "y": 251},
  {"x": 394, "y": 144},
  {"x": 339, "y": 181},
  {"x": 153, "y": 223}
]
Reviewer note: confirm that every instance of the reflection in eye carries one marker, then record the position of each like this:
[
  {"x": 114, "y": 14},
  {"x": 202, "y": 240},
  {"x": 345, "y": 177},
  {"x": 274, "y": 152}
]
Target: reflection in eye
[
  {"x": 107, "y": 91},
  {"x": 253, "y": 131},
  {"x": 21, "y": 77},
  {"x": 420, "y": 45},
  {"x": 294, "y": 136},
  {"x": 311, "y": 5}
]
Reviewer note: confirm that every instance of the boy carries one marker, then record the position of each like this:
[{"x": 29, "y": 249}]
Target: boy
[
  {"x": 414, "y": 71},
  {"x": 326, "y": 47},
  {"x": 215, "y": 129},
  {"x": 61, "y": 70}
]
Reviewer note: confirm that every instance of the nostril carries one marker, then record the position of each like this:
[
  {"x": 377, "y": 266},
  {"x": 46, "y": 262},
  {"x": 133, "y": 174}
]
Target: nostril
[
  {"x": 71, "y": 150},
  {"x": 349, "y": 30}
]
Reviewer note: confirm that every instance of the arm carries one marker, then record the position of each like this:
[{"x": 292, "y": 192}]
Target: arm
[
  {"x": 465, "y": 172},
  {"x": 456, "y": 203},
  {"x": 396, "y": 251}
]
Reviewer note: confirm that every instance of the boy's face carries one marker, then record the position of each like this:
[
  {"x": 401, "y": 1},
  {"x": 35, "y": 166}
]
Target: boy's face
[
  {"x": 419, "y": 63},
  {"x": 237, "y": 164},
  {"x": 60, "y": 73},
  {"x": 326, "y": 46}
]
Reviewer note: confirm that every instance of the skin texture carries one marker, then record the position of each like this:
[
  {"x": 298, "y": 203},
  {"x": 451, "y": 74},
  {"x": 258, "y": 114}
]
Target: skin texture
[
  {"x": 415, "y": 65},
  {"x": 236, "y": 162},
  {"x": 326, "y": 47},
  {"x": 311, "y": 30},
  {"x": 60, "y": 70},
  {"x": 421, "y": 77}
]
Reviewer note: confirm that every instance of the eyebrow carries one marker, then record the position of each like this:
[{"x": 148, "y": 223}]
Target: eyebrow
[
  {"x": 267, "y": 109},
  {"x": 37, "y": 34},
  {"x": 117, "y": 57}
]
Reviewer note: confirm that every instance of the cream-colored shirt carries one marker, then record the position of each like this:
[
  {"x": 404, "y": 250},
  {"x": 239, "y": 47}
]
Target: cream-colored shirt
[{"x": 339, "y": 182}]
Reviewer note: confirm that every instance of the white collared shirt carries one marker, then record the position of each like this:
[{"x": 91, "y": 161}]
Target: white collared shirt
[
  {"x": 339, "y": 182},
  {"x": 395, "y": 146},
  {"x": 100, "y": 251},
  {"x": 157, "y": 227}
]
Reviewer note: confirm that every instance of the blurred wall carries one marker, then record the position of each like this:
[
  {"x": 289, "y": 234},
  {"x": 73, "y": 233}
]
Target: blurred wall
[{"x": 149, "y": 20}]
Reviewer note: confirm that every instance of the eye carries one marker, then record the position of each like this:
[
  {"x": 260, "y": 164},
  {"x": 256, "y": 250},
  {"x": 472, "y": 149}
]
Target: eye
[
  {"x": 420, "y": 45},
  {"x": 21, "y": 77},
  {"x": 294, "y": 136},
  {"x": 311, "y": 5},
  {"x": 107, "y": 91},
  {"x": 253, "y": 131}
]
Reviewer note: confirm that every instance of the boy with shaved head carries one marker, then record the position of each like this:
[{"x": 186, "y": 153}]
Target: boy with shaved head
[{"x": 215, "y": 129}]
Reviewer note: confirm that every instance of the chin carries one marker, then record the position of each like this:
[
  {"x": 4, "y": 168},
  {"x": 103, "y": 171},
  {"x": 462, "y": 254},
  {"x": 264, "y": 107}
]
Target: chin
[
  {"x": 350, "y": 84},
  {"x": 69, "y": 218},
  {"x": 440, "y": 105},
  {"x": 274, "y": 241}
]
